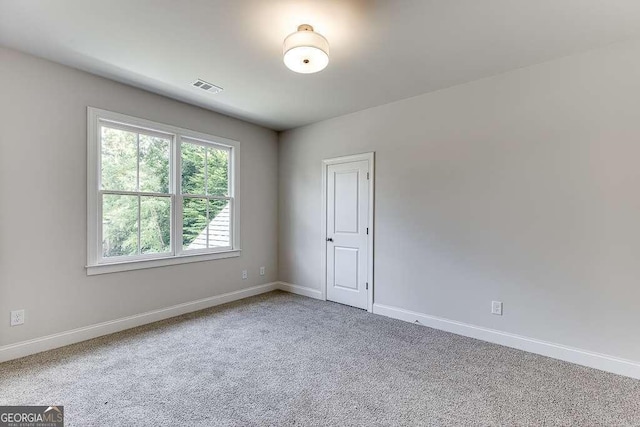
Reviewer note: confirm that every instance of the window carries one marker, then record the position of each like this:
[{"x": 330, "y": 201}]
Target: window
[{"x": 158, "y": 194}]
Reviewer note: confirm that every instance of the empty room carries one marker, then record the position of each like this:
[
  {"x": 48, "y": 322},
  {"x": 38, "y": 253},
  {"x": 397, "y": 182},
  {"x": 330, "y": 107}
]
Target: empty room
[{"x": 319, "y": 213}]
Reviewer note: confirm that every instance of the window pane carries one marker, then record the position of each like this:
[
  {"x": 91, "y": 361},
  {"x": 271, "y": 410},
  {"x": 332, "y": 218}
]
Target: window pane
[
  {"x": 119, "y": 159},
  {"x": 192, "y": 168},
  {"x": 154, "y": 164},
  {"x": 119, "y": 225},
  {"x": 155, "y": 225},
  {"x": 219, "y": 225},
  {"x": 194, "y": 224},
  {"x": 217, "y": 172}
]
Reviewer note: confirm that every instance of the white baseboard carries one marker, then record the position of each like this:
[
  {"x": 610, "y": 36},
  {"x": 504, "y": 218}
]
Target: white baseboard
[
  {"x": 591, "y": 359},
  {"x": 603, "y": 362},
  {"x": 37, "y": 345},
  {"x": 300, "y": 290}
]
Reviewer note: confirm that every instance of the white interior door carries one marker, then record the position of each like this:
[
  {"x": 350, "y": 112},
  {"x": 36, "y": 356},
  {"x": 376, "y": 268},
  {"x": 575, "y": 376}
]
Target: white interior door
[{"x": 347, "y": 234}]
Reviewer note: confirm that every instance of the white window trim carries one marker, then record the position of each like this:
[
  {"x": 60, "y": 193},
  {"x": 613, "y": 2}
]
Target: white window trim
[{"x": 97, "y": 265}]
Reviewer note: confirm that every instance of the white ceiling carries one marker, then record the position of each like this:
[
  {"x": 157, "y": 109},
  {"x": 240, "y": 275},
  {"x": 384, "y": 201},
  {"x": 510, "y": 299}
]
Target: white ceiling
[{"x": 381, "y": 51}]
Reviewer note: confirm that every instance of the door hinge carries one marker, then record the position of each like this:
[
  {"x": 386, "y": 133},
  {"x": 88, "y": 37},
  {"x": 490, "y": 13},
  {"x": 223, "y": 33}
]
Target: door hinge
[
  {"x": 367, "y": 230},
  {"x": 367, "y": 287},
  {"x": 367, "y": 175}
]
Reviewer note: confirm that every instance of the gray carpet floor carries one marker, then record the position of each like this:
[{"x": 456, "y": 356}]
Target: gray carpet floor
[{"x": 285, "y": 360}]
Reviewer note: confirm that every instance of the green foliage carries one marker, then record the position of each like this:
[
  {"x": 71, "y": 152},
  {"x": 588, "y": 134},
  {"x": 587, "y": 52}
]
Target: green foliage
[
  {"x": 119, "y": 160},
  {"x": 194, "y": 219},
  {"x": 120, "y": 169},
  {"x": 120, "y": 225},
  {"x": 194, "y": 159},
  {"x": 154, "y": 164}
]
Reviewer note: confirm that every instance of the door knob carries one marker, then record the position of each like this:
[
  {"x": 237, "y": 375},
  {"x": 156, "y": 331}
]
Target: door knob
[{"x": 329, "y": 239}]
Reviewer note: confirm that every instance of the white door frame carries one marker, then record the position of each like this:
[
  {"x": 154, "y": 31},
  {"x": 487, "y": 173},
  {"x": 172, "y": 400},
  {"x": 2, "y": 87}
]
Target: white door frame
[{"x": 370, "y": 157}]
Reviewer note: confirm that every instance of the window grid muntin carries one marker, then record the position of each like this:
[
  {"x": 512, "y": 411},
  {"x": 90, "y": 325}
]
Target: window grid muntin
[
  {"x": 139, "y": 194},
  {"x": 216, "y": 146},
  {"x": 97, "y": 118},
  {"x": 230, "y": 198}
]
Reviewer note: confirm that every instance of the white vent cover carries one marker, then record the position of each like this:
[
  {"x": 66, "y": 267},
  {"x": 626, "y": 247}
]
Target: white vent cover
[{"x": 209, "y": 87}]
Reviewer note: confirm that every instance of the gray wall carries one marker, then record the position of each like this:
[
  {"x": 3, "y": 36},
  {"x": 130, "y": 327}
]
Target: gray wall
[
  {"x": 43, "y": 110},
  {"x": 524, "y": 188}
]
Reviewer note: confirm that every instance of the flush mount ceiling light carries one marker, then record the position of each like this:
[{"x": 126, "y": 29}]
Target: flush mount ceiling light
[{"x": 305, "y": 51}]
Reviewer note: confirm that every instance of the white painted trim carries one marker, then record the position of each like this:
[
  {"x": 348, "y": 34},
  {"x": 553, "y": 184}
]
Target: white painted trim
[
  {"x": 323, "y": 235},
  {"x": 95, "y": 263},
  {"x": 587, "y": 358},
  {"x": 140, "y": 264},
  {"x": 370, "y": 157},
  {"x": 37, "y": 345},
  {"x": 578, "y": 356},
  {"x": 300, "y": 290}
]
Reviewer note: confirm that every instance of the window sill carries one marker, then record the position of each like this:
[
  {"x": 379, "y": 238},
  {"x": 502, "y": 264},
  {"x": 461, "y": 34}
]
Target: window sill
[{"x": 158, "y": 262}]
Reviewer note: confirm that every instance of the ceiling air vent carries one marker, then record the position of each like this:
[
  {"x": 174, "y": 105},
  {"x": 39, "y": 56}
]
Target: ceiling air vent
[{"x": 209, "y": 87}]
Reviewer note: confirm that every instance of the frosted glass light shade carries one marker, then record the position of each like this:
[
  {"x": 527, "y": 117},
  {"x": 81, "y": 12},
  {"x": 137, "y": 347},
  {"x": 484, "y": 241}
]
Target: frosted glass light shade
[{"x": 305, "y": 51}]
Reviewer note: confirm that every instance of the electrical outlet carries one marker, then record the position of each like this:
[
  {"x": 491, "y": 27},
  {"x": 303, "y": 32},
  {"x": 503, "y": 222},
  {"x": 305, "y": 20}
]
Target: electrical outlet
[
  {"x": 262, "y": 271},
  {"x": 496, "y": 308},
  {"x": 244, "y": 274},
  {"x": 17, "y": 317}
]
